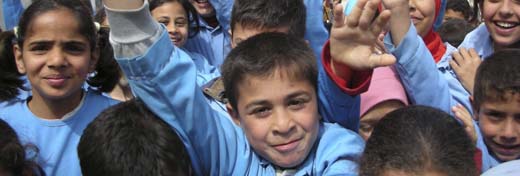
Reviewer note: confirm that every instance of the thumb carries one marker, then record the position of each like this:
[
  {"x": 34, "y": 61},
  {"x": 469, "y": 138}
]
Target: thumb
[{"x": 381, "y": 60}]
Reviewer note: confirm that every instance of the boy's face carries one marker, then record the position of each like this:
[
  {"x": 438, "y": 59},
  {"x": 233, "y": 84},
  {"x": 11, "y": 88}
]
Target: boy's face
[
  {"x": 451, "y": 14},
  {"x": 279, "y": 116},
  {"x": 500, "y": 125},
  {"x": 241, "y": 33}
]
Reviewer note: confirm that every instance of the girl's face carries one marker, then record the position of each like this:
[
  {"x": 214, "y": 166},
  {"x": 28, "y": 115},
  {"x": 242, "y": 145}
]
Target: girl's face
[
  {"x": 56, "y": 57},
  {"x": 173, "y": 16},
  {"x": 502, "y": 19},
  {"x": 422, "y": 13}
]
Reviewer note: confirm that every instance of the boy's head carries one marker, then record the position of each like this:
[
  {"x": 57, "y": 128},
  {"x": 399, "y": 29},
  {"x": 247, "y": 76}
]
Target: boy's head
[
  {"x": 457, "y": 9},
  {"x": 251, "y": 17},
  {"x": 496, "y": 103},
  {"x": 128, "y": 139},
  {"x": 418, "y": 140},
  {"x": 270, "y": 81},
  {"x": 453, "y": 31}
]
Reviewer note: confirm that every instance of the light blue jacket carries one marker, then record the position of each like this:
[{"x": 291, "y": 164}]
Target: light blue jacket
[
  {"x": 215, "y": 144},
  {"x": 56, "y": 140},
  {"x": 480, "y": 40},
  {"x": 213, "y": 43},
  {"x": 425, "y": 82}
]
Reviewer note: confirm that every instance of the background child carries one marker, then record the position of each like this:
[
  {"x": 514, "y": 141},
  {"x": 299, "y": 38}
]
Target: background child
[
  {"x": 418, "y": 140},
  {"x": 128, "y": 139},
  {"x": 458, "y": 9},
  {"x": 453, "y": 31},
  {"x": 57, "y": 58},
  {"x": 496, "y": 105},
  {"x": 385, "y": 94},
  {"x": 13, "y": 154}
]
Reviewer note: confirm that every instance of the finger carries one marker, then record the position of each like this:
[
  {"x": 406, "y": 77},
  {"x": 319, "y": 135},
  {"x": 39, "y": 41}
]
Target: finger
[
  {"x": 381, "y": 60},
  {"x": 474, "y": 54},
  {"x": 380, "y": 23},
  {"x": 454, "y": 66},
  {"x": 456, "y": 57},
  {"x": 464, "y": 53},
  {"x": 464, "y": 117},
  {"x": 368, "y": 14},
  {"x": 339, "y": 18},
  {"x": 353, "y": 17}
]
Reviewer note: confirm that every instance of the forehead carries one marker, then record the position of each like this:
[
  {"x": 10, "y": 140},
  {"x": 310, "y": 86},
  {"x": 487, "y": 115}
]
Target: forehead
[
  {"x": 170, "y": 8},
  {"x": 277, "y": 84},
  {"x": 58, "y": 23}
]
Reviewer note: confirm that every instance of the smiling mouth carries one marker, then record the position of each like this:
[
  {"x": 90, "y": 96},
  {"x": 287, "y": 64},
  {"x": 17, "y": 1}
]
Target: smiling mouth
[
  {"x": 287, "y": 147},
  {"x": 506, "y": 25},
  {"x": 507, "y": 149}
]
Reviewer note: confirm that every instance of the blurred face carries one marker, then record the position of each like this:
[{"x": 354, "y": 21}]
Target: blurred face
[
  {"x": 502, "y": 18},
  {"x": 280, "y": 125},
  {"x": 173, "y": 16},
  {"x": 369, "y": 120},
  {"x": 56, "y": 57},
  {"x": 203, "y": 7},
  {"x": 451, "y": 14},
  {"x": 241, "y": 33},
  {"x": 422, "y": 13},
  {"x": 500, "y": 126},
  {"x": 394, "y": 172}
]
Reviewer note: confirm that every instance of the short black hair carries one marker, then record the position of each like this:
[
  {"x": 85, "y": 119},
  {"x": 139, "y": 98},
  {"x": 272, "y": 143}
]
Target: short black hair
[
  {"x": 497, "y": 78},
  {"x": 262, "y": 55},
  {"x": 269, "y": 14},
  {"x": 454, "y": 31},
  {"x": 461, "y": 6},
  {"x": 128, "y": 139},
  {"x": 416, "y": 139}
]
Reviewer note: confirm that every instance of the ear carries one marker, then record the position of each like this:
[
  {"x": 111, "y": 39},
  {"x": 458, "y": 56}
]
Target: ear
[
  {"x": 474, "y": 107},
  {"x": 19, "y": 59},
  {"x": 233, "y": 113}
]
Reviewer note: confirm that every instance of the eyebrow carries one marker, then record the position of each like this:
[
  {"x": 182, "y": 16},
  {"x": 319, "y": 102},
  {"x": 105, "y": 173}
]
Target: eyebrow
[
  {"x": 297, "y": 94},
  {"x": 257, "y": 103}
]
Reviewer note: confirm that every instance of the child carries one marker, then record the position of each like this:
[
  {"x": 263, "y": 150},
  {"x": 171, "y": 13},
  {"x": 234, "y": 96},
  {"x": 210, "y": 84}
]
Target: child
[
  {"x": 496, "y": 105},
  {"x": 57, "y": 58},
  {"x": 275, "y": 132},
  {"x": 13, "y": 155},
  {"x": 213, "y": 40},
  {"x": 418, "y": 140},
  {"x": 453, "y": 31},
  {"x": 458, "y": 9},
  {"x": 499, "y": 31},
  {"x": 251, "y": 17},
  {"x": 385, "y": 94},
  {"x": 177, "y": 15},
  {"x": 128, "y": 139}
]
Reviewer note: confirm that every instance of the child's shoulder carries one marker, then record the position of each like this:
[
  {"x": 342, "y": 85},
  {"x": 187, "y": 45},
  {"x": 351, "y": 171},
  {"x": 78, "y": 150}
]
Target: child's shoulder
[{"x": 338, "y": 150}]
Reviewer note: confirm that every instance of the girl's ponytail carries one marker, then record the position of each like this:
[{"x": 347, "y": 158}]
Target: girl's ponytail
[
  {"x": 107, "y": 70},
  {"x": 10, "y": 81}
]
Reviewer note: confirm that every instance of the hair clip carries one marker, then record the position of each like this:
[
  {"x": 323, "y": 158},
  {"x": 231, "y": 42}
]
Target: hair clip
[
  {"x": 15, "y": 30},
  {"x": 98, "y": 26}
]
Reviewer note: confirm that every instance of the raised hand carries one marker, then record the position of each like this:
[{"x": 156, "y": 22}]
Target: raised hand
[
  {"x": 465, "y": 63},
  {"x": 353, "y": 38},
  {"x": 463, "y": 115}
]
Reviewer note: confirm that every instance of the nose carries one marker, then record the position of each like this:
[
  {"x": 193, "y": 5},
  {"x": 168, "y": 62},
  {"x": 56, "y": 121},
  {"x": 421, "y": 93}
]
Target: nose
[
  {"x": 283, "y": 123},
  {"x": 411, "y": 3},
  {"x": 509, "y": 132},
  {"x": 57, "y": 59},
  {"x": 505, "y": 9},
  {"x": 172, "y": 29}
]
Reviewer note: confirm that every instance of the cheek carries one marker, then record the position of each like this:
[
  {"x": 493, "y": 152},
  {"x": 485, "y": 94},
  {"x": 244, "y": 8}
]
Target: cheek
[{"x": 487, "y": 128}]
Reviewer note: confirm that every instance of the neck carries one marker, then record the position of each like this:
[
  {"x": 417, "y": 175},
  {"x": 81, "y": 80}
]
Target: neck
[
  {"x": 211, "y": 21},
  {"x": 121, "y": 93},
  {"x": 54, "y": 108}
]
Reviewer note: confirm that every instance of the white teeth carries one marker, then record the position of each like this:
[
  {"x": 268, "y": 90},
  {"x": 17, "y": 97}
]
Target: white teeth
[{"x": 505, "y": 24}]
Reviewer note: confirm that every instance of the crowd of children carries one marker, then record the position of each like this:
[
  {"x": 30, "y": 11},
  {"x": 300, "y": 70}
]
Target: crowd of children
[{"x": 261, "y": 87}]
